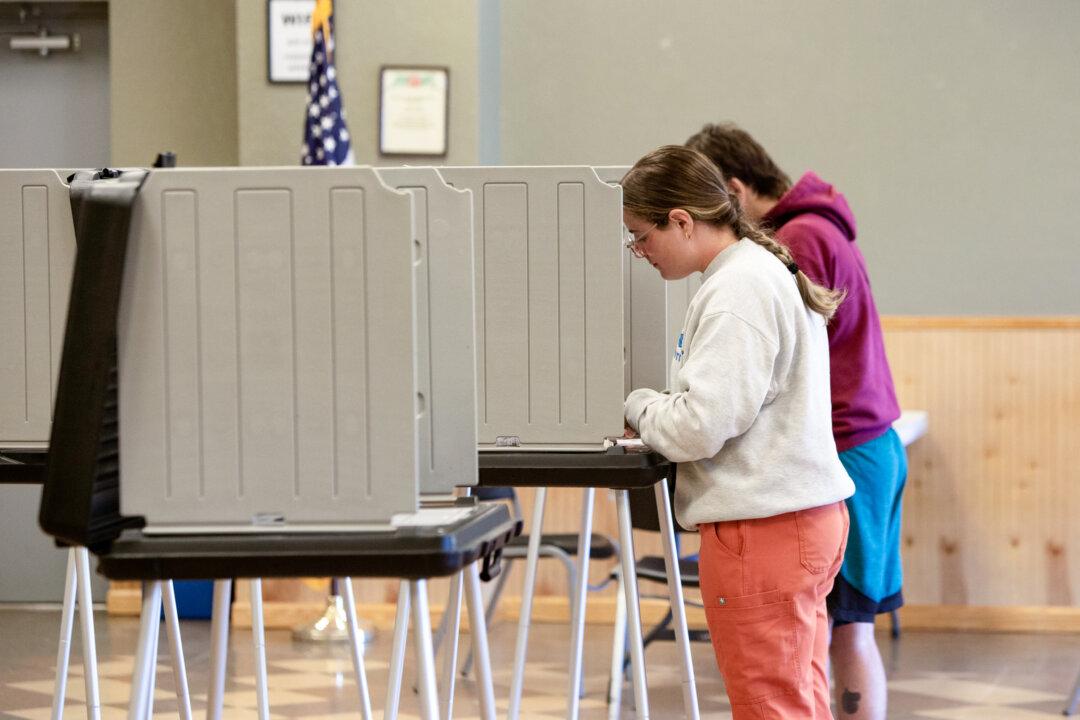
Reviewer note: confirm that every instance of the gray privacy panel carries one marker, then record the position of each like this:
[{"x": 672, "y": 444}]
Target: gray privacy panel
[
  {"x": 548, "y": 304},
  {"x": 266, "y": 349},
  {"x": 37, "y": 255},
  {"x": 445, "y": 328},
  {"x": 655, "y": 310}
]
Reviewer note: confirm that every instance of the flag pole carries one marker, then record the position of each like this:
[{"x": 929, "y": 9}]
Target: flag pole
[{"x": 327, "y": 142}]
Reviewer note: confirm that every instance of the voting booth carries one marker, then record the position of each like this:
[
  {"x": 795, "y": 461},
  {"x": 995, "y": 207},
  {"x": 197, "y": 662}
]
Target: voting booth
[
  {"x": 264, "y": 398},
  {"x": 655, "y": 309},
  {"x": 552, "y": 339},
  {"x": 265, "y": 343},
  {"x": 443, "y": 269},
  {"x": 37, "y": 252},
  {"x": 548, "y": 305}
]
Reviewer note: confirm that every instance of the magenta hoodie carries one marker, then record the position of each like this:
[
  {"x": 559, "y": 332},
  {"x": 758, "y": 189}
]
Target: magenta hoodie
[{"x": 814, "y": 220}]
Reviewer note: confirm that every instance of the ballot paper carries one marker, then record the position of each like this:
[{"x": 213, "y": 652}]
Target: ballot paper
[{"x": 431, "y": 516}]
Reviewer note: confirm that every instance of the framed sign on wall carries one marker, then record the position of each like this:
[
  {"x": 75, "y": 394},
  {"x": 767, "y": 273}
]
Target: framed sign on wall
[
  {"x": 288, "y": 40},
  {"x": 414, "y": 104}
]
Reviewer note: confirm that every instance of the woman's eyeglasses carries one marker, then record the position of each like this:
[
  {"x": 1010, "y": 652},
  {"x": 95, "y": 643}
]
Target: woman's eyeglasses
[{"x": 635, "y": 243}]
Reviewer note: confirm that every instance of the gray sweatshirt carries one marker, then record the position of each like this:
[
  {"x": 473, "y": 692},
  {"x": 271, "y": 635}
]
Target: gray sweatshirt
[{"x": 748, "y": 416}]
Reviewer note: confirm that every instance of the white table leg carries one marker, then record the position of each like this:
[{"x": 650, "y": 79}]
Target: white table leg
[
  {"x": 675, "y": 594},
  {"x": 618, "y": 649},
  {"x": 89, "y": 644},
  {"x": 450, "y": 658},
  {"x": 397, "y": 653},
  {"x": 580, "y": 591},
  {"x": 478, "y": 628},
  {"x": 346, "y": 589},
  {"x": 633, "y": 610},
  {"x": 425, "y": 655},
  {"x": 145, "y": 660},
  {"x": 517, "y": 679},
  {"x": 152, "y": 679},
  {"x": 1074, "y": 699},
  {"x": 258, "y": 637},
  {"x": 172, "y": 628},
  {"x": 219, "y": 649},
  {"x": 67, "y": 623}
]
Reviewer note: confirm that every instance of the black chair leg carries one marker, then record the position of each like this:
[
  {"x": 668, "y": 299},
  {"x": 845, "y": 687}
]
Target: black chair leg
[{"x": 895, "y": 632}]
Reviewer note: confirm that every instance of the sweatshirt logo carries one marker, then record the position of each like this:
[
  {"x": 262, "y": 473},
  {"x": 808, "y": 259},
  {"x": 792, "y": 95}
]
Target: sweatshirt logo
[{"x": 679, "y": 349}]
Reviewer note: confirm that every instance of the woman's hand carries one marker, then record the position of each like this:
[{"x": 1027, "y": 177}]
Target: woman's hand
[{"x": 629, "y": 432}]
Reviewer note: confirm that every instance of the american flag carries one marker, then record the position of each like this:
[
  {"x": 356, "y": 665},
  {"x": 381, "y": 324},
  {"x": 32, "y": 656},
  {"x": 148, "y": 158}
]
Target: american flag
[{"x": 326, "y": 139}]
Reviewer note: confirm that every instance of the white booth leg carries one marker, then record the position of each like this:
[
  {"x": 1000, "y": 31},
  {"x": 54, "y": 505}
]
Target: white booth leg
[
  {"x": 152, "y": 679},
  {"x": 89, "y": 644},
  {"x": 450, "y": 658},
  {"x": 425, "y": 655},
  {"x": 580, "y": 592},
  {"x": 345, "y": 585},
  {"x": 1074, "y": 699},
  {"x": 142, "y": 672},
  {"x": 172, "y": 627},
  {"x": 67, "y": 623},
  {"x": 517, "y": 678},
  {"x": 259, "y": 643},
  {"x": 478, "y": 628},
  {"x": 633, "y": 610},
  {"x": 675, "y": 594},
  {"x": 618, "y": 650},
  {"x": 397, "y": 653},
  {"x": 219, "y": 649}
]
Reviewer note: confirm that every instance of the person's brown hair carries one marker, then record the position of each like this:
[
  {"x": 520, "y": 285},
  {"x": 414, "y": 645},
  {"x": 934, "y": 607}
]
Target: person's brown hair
[
  {"x": 739, "y": 155},
  {"x": 675, "y": 176}
]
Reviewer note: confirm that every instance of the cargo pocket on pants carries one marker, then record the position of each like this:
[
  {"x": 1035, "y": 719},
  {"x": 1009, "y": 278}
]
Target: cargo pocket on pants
[
  {"x": 756, "y": 641},
  {"x": 822, "y": 534}
]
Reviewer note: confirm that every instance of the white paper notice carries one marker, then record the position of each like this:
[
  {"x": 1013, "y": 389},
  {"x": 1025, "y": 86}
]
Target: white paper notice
[
  {"x": 412, "y": 119},
  {"x": 290, "y": 40}
]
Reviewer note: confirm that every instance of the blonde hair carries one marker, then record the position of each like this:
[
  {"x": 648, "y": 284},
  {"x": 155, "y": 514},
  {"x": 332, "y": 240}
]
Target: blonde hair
[{"x": 674, "y": 176}]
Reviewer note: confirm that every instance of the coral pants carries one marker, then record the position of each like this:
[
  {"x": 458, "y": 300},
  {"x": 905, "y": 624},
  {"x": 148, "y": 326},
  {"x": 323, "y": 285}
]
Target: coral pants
[{"x": 764, "y": 583}]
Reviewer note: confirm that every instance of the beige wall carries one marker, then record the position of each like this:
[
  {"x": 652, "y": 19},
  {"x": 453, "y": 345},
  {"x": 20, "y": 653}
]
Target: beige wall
[
  {"x": 172, "y": 66},
  {"x": 368, "y": 35}
]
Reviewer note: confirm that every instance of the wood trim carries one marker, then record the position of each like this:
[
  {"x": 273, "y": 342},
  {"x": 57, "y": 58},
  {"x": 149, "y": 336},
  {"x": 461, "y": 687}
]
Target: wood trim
[
  {"x": 982, "y": 618},
  {"x": 124, "y": 601},
  {"x": 601, "y": 611},
  {"x": 979, "y": 322}
]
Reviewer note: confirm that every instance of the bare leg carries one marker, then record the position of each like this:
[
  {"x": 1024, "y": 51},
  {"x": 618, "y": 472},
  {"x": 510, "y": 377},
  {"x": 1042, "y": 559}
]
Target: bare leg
[{"x": 860, "y": 675}]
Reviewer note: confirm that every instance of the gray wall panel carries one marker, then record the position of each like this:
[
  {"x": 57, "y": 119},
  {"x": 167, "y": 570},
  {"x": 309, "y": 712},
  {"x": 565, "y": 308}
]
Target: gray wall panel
[
  {"x": 446, "y": 345},
  {"x": 548, "y": 303},
  {"x": 37, "y": 253},
  {"x": 266, "y": 346},
  {"x": 655, "y": 310}
]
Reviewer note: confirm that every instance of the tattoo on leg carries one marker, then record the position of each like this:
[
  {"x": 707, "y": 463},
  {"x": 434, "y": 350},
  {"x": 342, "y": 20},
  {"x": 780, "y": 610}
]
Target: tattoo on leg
[{"x": 849, "y": 701}]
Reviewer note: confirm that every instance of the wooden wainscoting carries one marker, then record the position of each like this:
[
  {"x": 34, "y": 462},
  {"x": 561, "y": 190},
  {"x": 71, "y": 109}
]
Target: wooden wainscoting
[
  {"x": 990, "y": 516},
  {"x": 992, "y": 509}
]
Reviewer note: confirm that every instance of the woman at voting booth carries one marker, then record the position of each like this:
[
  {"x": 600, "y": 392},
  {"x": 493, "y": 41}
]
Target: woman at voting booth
[{"x": 747, "y": 417}]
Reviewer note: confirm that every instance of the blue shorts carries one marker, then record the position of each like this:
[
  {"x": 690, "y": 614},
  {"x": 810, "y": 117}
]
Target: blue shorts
[{"x": 871, "y": 579}]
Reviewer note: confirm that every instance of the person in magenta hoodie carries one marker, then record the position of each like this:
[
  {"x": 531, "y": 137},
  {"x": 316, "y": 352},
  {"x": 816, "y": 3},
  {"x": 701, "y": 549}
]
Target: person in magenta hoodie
[{"x": 816, "y": 223}]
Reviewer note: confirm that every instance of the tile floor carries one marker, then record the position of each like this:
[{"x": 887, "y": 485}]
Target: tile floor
[{"x": 947, "y": 676}]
